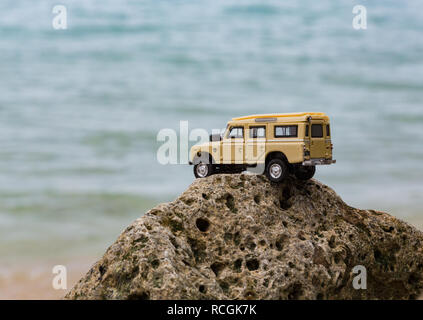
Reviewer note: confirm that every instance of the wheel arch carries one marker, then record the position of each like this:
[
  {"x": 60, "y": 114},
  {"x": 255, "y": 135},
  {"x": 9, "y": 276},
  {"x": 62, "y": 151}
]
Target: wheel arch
[
  {"x": 276, "y": 155},
  {"x": 203, "y": 155}
]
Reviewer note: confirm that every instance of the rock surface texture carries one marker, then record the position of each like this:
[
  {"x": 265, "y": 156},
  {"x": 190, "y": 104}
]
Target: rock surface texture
[{"x": 242, "y": 237}]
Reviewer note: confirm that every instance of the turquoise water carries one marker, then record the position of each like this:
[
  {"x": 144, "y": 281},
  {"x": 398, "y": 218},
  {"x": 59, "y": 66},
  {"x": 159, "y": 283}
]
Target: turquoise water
[{"x": 80, "y": 108}]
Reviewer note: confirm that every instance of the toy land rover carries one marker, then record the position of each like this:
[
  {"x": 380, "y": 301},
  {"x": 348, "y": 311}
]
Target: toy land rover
[{"x": 274, "y": 144}]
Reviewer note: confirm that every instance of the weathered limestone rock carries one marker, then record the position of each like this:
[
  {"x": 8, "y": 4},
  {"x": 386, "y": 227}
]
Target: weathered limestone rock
[{"x": 241, "y": 237}]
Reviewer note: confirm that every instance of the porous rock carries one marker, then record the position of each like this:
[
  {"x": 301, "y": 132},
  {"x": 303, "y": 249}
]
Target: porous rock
[{"x": 242, "y": 237}]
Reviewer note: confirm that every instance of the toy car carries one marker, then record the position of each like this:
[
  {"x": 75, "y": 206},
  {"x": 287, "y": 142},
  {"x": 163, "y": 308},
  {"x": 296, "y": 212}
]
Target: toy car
[{"x": 274, "y": 144}]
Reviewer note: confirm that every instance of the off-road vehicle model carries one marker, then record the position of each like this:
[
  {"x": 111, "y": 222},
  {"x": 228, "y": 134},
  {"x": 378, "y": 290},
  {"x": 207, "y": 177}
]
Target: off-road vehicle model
[{"x": 274, "y": 144}]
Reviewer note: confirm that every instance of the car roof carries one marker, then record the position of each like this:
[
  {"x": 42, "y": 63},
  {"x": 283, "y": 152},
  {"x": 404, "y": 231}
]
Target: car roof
[{"x": 282, "y": 117}]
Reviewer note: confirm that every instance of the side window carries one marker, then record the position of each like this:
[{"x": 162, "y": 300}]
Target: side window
[
  {"x": 257, "y": 132},
  {"x": 317, "y": 131},
  {"x": 307, "y": 128},
  {"x": 236, "y": 132},
  {"x": 327, "y": 131},
  {"x": 286, "y": 131}
]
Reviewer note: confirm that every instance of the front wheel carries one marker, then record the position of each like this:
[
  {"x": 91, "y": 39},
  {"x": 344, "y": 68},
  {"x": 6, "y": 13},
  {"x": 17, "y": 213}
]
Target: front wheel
[
  {"x": 305, "y": 172},
  {"x": 202, "y": 170},
  {"x": 276, "y": 170}
]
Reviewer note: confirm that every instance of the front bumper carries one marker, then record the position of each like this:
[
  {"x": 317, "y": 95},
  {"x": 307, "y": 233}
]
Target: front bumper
[{"x": 313, "y": 162}]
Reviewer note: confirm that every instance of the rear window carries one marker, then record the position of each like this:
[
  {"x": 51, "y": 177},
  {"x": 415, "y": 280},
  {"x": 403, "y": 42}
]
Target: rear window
[
  {"x": 327, "y": 131},
  {"x": 317, "y": 131},
  {"x": 286, "y": 131}
]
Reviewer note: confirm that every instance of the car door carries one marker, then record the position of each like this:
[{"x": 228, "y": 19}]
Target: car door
[
  {"x": 233, "y": 146},
  {"x": 317, "y": 140},
  {"x": 255, "y": 144}
]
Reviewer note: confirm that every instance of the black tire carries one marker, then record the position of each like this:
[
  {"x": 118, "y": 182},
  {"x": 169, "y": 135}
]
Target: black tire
[
  {"x": 305, "y": 172},
  {"x": 276, "y": 170},
  {"x": 203, "y": 167}
]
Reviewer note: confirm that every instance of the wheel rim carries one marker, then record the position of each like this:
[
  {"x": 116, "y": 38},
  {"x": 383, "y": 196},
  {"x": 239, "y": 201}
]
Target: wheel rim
[
  {"x": 202, "y": 170},
  {"x": 275, "y": 171}
]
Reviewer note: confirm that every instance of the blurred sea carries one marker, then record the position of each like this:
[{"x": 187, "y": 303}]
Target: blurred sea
[{"x": 80, "y": 108}]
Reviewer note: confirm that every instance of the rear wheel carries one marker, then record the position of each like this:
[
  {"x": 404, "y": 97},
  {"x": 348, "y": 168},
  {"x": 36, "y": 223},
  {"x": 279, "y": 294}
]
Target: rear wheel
[
  {"x": 305, "y": 172},
  {"x": 276, "y": 170}
]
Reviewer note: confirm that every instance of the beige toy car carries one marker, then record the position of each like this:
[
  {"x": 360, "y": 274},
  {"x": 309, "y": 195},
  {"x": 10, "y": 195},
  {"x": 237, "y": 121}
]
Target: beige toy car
[{"x": 274, "y": 144}]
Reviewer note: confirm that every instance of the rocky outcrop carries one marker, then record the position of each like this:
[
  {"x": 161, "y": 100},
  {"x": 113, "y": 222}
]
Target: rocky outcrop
[{"x": 241, "y": 237}]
